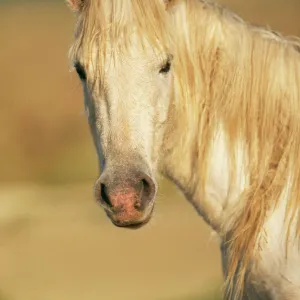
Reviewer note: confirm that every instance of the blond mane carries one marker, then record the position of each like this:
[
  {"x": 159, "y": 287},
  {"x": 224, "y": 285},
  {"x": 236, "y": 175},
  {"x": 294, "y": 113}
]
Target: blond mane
[{"x": 225, "y": 71}]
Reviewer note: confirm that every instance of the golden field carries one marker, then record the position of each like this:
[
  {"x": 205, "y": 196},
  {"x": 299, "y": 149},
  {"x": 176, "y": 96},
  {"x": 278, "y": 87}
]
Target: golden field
[{"x": 55, "y": 242}]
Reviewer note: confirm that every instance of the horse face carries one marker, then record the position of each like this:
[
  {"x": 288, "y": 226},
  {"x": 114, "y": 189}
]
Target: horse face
[{"x": 127, "y": 112}]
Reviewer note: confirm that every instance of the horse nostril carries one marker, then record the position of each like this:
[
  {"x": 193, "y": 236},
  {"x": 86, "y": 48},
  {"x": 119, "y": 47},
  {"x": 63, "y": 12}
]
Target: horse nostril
[
  {"x": 104, "y": 195},
  {"x": 148, "y": 190}
]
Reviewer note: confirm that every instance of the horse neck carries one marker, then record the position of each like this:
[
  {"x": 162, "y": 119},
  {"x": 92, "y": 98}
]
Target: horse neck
[{"x": 217, "y": 200}]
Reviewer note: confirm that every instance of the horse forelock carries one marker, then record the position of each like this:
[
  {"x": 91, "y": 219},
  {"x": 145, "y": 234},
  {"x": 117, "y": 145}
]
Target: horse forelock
[{"x": 110, "y": 24}]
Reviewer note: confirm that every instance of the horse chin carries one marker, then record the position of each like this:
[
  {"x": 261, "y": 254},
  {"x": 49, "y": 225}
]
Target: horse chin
[{"x": 134, "y": 224}]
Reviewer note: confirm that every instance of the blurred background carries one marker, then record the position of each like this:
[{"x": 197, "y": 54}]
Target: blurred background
[{"x": 55, "y": 242}]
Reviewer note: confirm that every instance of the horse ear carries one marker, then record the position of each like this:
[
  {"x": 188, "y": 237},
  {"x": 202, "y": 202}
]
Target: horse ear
[{"x": 75, "y": 5}]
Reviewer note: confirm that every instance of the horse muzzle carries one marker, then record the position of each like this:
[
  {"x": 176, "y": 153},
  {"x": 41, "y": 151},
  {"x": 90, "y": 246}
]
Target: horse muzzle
[{"x": 127, "y": 197}]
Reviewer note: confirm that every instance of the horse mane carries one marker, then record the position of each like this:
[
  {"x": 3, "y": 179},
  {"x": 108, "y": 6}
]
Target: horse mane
[{"x": 227, "y": 72}]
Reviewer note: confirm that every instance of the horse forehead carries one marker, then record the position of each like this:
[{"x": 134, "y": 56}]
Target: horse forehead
[
  {"x": 130, "y": 48},
  {"x": 132, "y": 58}
]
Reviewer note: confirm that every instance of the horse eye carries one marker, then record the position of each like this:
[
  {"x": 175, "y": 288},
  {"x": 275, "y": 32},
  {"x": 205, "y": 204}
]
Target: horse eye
[
  {"x": 80, "y": 71},
  {"x": 166, "y": 68}
]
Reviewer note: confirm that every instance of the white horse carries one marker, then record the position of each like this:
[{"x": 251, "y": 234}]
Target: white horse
[{"x": 188, "y": 89}]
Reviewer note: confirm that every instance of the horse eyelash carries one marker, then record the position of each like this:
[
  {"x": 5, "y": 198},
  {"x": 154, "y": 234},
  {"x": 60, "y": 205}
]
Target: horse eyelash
[
  {"x": 80, "y": 71},
  {"x": 165, "y": 68}
]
